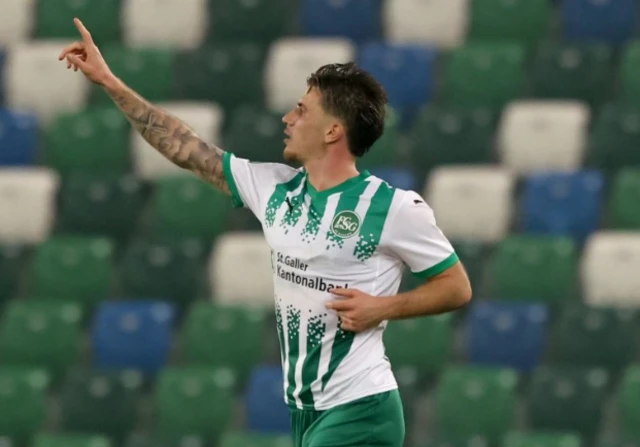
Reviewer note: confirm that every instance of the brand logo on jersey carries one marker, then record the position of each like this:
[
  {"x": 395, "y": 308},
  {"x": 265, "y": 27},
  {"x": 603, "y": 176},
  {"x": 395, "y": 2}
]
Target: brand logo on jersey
[{"x": 345, "y": 224}]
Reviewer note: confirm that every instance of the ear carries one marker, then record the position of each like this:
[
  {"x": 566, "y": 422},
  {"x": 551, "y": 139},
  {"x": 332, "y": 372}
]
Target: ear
[{"x": 334, "y": 132}]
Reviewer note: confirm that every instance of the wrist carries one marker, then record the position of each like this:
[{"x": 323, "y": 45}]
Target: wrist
[
  {"x": 111, "y": 84},
  {"x": 389, "y": 308}
]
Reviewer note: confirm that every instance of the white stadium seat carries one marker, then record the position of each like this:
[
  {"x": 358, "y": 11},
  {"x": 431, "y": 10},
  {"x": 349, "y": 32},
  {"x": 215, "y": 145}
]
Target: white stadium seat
[
  {"x": 27, "y": 204},
  {"x": 543, "y": 135},
  {"x": 471, "y": 203},
  {"x": 17, "y": 20},
  {"x": 240, "y": 270},
  {"x": 204, "y": 118},
  {"x": 36, "y": 81},
  {"x": 178, "y": 24},
  {"x": 610, "y": 269},
  {"x": 290, "y": 61},
  {"x": 437, "y": 23}
]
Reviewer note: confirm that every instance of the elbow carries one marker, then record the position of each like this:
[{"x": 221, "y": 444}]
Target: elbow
[{"x": 462, "y": 294}]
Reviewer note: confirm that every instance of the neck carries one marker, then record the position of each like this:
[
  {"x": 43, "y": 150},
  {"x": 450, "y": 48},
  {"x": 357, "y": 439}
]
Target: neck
[{"x": 324, "y": 173}]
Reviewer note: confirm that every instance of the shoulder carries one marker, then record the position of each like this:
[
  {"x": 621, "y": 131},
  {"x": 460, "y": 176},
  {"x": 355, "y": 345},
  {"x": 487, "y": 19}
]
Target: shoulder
[{"x": 278, "y": 172}]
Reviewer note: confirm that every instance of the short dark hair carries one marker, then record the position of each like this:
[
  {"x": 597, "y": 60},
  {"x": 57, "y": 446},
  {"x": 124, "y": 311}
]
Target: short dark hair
[{"x": 355, "y": 97}]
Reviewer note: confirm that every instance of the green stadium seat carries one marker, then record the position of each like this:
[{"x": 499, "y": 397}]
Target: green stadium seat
[
  {"x": 615, "y": 138},
  {"x": 22, "y": 402},
  {"x": 542, "y": 439},
  {"x": 141, "y": 440},
  {"x": 434, "y": 350},
  {"x": 227, "y": 74},
  {"x": 385, "y": 151},
  {"x": 616, "y": 440},
  {"x": 70, "y": 440},
  {"x": 186, "y": 206},
  {"x": 41, "y": 334},
  {"x": 73, "y": 268},
  {"x": 446, "y": 135},
  {"x": 475, "y": 402},
  {"x": 573, "y": 71},
  {"x": 100, "y": 402},
  {"x": 148, "y": 71},
  {"x": 103, "y": 19},
  {"x": 476, "y": 441},
  {"x": 630, "y": 74},
  {"x": 623, "y": 210},
  {"x": 409, "y": 387},
  {"x": 241, "y": 439},
  {"x": 628, "y": 402},
  {"x": 255, "y": 21},
  {"x": 100, "y": 204},
  {"x": 593, "y": 337},
  {"x": 96, "y": 140},
  {"x": 526, "y": 21},
  {"x": 521, "y": 261},
  {"x": 484, "y": 75},
  {"x": 12, "y": 259},
  {"x": 193, "y": 401},
  {"x": 567, "y": 399},
  {"x": 473, "y": 256},
  {"x": 163, "y": 268}
]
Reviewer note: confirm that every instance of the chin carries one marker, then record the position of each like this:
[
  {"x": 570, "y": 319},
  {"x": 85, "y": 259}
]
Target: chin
[{"x": 290, "y": 155}]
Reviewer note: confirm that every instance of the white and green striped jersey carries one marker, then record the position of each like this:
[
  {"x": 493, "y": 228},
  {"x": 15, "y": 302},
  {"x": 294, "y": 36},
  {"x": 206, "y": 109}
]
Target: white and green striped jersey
[{"x": 359, "y": 234}]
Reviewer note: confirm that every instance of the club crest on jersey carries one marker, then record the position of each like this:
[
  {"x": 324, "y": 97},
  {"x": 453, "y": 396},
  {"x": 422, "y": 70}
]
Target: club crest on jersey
[{"x": 345, "y": 224}]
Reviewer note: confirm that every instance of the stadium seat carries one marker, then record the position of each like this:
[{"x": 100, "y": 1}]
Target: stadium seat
[
  {"x": 573, "y": 71},
  {"x": 615, "y": 136},
  {"x": 2, "y": 59},
  {"x": 567, "y": 399},
  {"x": 405, "y": 71},
  {"x": 55, "y": 19},
  {"x": 519, "y": 262},
  {"x": 12, "y": 261},
  {"x": 100, "y": 402},
  {"x": 237, "y": 256},
  {"x": 475, "y": 401},
  {"x": 562, "y": 204},
  {"x": 510, "y": 335},
  {"x": 18, "y": 137},
  {"x": 36, "y": 81},
  {"x": 444, "y": 441},
  {"x": 291, "y": 60},
  {"x": 613, "y": 22},
  {"x": 41, "y": 334},
  {"x": 246, "y": 439},
  {"x": 354, "y": 19},
  {"x": 148, "y": 440},
  {"x": 473, "y": 256},
  {"x": 623, "y": 212},
  {"x": 524, "y": 21},
  {"x": 251, "y": 21},
  {"x": 265, "y": 409},
  {"x": 484, "y": 192},
  {"x": 434, "y": 350},
  {"x": 384, "y": 153},
  {"x": 615, "y": 440},
  {"x": 70, "y": 440},
  {"x": 17, "y": 21},
  {"x": 187, "y": 206},
  {"x": 409, "y": 385},
  {"x": 22, "y": 402},
  {"x": 449, "y": 136},
  {"x": 593, "y": 337},
  {"x": 227, "y": 74},
  {"x": 536, "y": 136},
  {"x": 402, "y": 178},
  {"x": 610, "y": 263},
  {"x": 132, "y": 334},
  {"x": 439, "y": 23},
  {"x": 73, "y": 268},
  {"x": 627, "y": 400},
  {"x": 255, "y": 133},
  {"x": 484, "y": 74},
  {"x": 542, "y": 438},
  {"x": 30, "y": 195},
  {"x": 96, "y": 140},
  {"x": 218, "y": 324},
  {"x": 630, "y": 74},
  {"x": 204, "y": 118},
  {"x": 178, "y": 24},
  {"x": 194, "y": 402}
]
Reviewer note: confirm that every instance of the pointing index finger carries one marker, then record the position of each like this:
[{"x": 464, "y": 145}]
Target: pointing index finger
[{"x": 84, "y": 32}]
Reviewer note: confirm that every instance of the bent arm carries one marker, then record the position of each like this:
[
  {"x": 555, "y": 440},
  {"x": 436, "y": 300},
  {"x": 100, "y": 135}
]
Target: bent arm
[{"x": 169, "y": 135}]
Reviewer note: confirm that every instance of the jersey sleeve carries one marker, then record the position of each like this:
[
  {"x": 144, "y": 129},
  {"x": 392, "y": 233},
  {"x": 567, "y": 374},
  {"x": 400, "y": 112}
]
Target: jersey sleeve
[
  {"x": 416, "y": 239},
  {"x": 251, "y": 183}
]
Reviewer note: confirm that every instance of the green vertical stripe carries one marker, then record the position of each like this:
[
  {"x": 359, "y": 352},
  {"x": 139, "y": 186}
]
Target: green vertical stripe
[
  {"x": 339, "y": 350},
  {"x": 316, "y": 329},
  {"x": 373, "y": 222},
  {"x": 280, "y": 329},
  {"x": 277, "y": 198},
  {"x": 314, "y": 219},
  {"x": 291, "y": 217},
  {"x": 348, "y": 202},
  {"x": 293, "y": 338}
]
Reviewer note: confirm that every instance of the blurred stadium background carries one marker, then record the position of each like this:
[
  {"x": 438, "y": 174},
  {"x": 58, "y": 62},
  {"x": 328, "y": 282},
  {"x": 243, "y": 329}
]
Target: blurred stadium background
[{"x": 136, "y": 304}]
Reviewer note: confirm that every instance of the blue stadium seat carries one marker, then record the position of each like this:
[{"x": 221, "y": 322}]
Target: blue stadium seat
[
  {"x": 563, "y": 204},
  {"x": 611, "y": 21},
  {"x": 18, "y": 138},
  {"x": 406, "y": 71},
  {"x": 506, "y": 334},
  {"x": 398, "y": 177},
  {"x": 132, "y": 334},
  {"x": 264, "y": 404},
  {"x": 359, "y": 20}
]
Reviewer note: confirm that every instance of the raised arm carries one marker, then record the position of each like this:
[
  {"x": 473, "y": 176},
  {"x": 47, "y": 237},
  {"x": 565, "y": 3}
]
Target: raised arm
[{"x": 169, "y": 135}]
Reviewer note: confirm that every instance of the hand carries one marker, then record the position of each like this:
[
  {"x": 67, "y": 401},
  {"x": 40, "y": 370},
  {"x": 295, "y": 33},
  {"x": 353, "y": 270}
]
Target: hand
[
  {"x": 85, "y": 55},
  {"x": 357, "y": 310}
]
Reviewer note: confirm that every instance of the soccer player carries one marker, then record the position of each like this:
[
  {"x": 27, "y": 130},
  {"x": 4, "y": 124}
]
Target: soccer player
[{"x": 339, "y": 240}]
